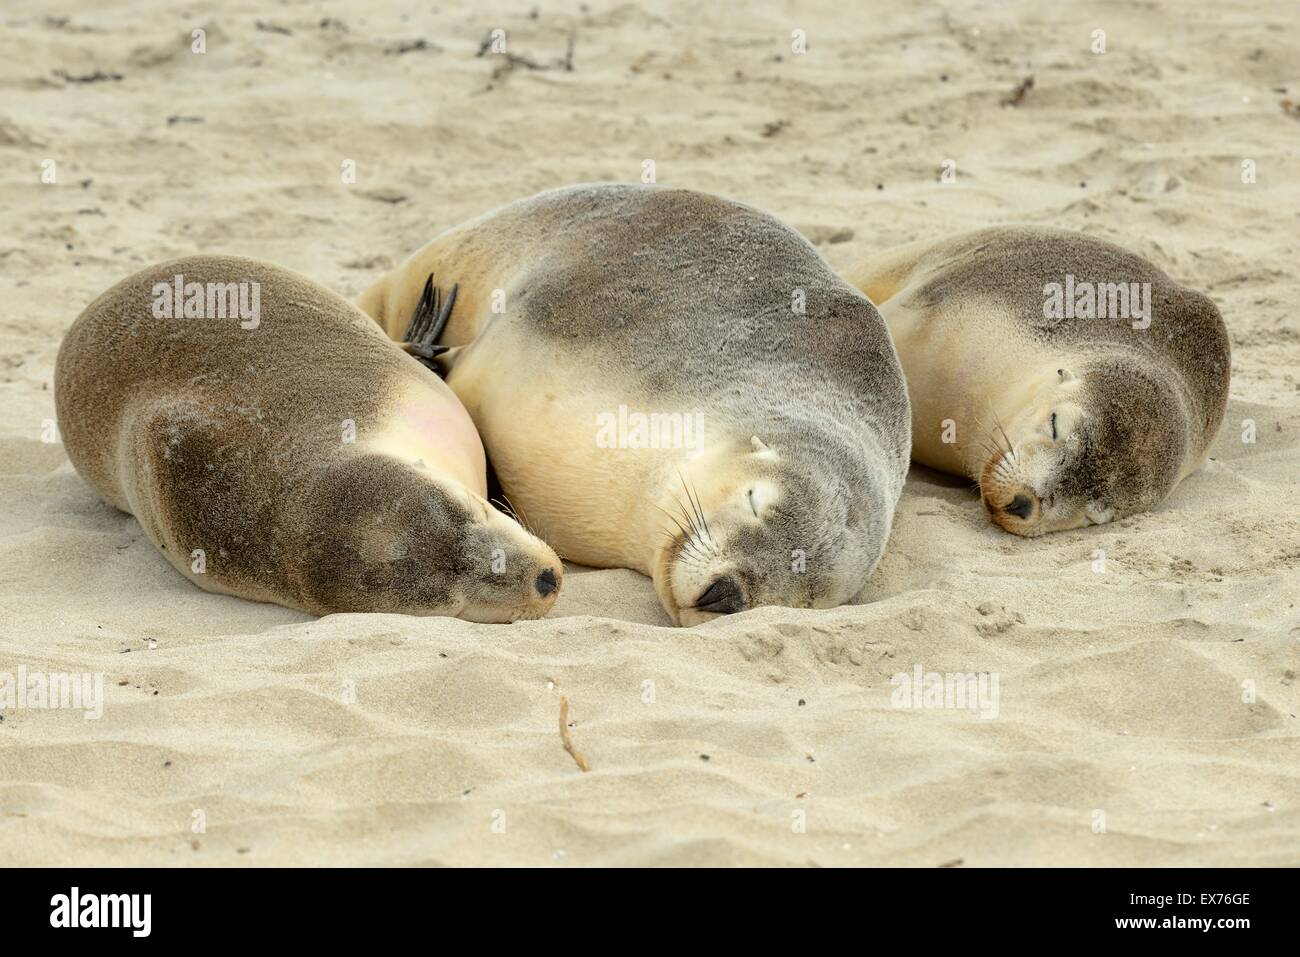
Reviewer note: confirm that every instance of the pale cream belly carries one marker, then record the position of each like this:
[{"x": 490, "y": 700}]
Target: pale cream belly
[
  {"x": 538, "y": 413},
  {"x": 968, "y": 370}
]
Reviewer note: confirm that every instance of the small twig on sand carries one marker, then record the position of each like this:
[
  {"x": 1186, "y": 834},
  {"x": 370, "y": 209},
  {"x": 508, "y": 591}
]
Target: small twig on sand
[
  {"x": 509, "y": 61},
  {"x": 99, "y": 76},
  {"x": 566, "y": 739},
  {"x": 1018, "y": 94}
]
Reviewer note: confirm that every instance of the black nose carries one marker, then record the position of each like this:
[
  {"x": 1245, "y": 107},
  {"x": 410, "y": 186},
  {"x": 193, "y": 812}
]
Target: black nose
[
  {"x": 546, "y": 583},
  {"x": 722, "y": 597},
  {"x": 1020, "y": 507}
]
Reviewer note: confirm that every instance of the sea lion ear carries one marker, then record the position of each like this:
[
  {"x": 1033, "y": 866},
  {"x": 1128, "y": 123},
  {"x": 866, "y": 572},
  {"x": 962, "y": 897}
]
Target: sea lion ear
[
  {"x": 757, "y": 443},
  {"x": 1065, "y": 375}
]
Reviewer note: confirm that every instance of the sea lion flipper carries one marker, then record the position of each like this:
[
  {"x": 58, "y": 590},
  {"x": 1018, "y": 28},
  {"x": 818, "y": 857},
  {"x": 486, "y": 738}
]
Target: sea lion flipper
[
  {"x": 424, "y": 353},
  {"x": 447, "y": 359},
  {"x": 426, "y": 325},
  {"x": 445, "y": 313},
  {"x": 425, "y": 309}
]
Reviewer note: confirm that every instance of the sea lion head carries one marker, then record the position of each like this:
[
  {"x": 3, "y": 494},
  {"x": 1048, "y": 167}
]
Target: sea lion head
[
  {"x": 392, "y": 536},
  {"x": 1088, "y": 448},
  {"x": 794, "y": 523}
]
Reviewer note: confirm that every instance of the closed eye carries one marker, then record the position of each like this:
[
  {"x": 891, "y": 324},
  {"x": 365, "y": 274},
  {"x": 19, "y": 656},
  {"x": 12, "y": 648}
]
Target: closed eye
[
  {"x": 1053, "y": 426},
  {"x": 752, "y": 507}
]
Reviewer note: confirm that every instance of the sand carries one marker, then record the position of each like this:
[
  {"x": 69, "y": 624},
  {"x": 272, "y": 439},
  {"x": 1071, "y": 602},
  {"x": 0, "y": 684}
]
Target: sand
[{"x": 1147, "y": 712}]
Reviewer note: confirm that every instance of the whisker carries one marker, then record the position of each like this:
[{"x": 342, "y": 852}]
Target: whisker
[
  {"x": 697, "y": 507},
  {"x": 689, "y": 541},
  {"x": 687, "y": 489},
  {"x": 673, "y": 519},
  {"x": 521, "y": 517},
  {"x": 1010, "y": 447},
  {"x": 692, "y": 561},
  {"x": 694, "y": 496},
  {"x": 690, "y": 520},
  {"x": 507, "y": 508},
  {"x": 668, "y": 537}
]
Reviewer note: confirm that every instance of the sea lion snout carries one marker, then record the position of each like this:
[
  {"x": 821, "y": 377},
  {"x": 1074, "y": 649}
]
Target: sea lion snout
[
  {"x": 509, "y": 574},
  {"x": 766, "y": 527},
  {"x": 722, "y": 597},
  {"x": 1021, "y": 506},
  {"x": 546, "y": 582}
]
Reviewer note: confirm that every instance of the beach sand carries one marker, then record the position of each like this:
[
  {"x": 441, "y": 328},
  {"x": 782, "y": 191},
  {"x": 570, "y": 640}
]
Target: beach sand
[{"x": 1147, "y": 710}]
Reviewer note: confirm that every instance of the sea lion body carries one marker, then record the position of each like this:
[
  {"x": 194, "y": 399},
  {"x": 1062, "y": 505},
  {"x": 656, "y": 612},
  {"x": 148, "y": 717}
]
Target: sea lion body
[
  {"x": 584, "y": 307},
  {"x": 293, "y": 455},
  {"x": 1073, "y": 379}
]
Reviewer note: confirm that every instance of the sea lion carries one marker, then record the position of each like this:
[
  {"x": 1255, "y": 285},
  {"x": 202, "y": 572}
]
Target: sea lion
[
  {"x": 675, "y": 383},
  {"x": 1073, "y": 379},
  {"x": 277, "y": 447}
]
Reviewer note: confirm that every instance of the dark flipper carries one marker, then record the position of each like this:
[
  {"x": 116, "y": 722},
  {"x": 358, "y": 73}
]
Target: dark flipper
[{"x": 427, "y": 323}]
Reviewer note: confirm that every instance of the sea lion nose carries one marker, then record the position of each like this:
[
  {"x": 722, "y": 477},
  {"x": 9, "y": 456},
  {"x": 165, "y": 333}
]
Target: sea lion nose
[
  {"x": 546, "y": 582},
  {"x": 1020, "y": 507},
  {"x": 723, "y": 597}
]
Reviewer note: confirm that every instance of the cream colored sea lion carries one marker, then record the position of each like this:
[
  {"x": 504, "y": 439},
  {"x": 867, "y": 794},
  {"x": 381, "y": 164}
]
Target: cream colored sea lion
[
  {"x": 1075, "y": 381},
  {"x": 276, "y": 446},
  {"x": 676, "y": 383}
]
